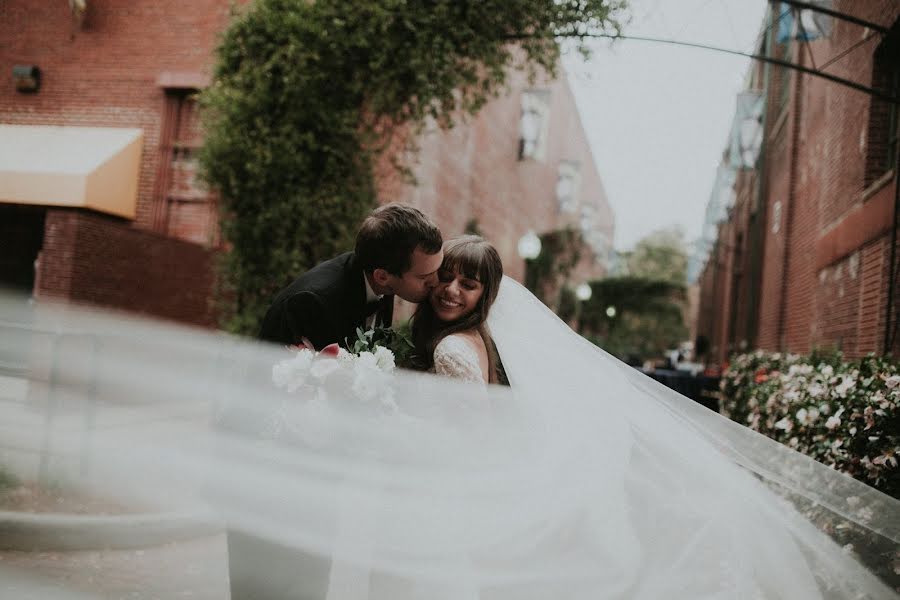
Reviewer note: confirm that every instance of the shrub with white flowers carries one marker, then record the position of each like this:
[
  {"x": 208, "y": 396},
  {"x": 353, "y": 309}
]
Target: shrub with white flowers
[{"x": 845, "y": 414}]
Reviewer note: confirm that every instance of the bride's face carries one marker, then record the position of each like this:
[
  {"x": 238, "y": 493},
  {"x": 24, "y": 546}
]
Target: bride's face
[{"x": 455, "y": 296}]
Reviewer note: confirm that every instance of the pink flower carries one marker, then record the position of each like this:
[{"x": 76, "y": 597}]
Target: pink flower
[{"x": 330, "y": 351}]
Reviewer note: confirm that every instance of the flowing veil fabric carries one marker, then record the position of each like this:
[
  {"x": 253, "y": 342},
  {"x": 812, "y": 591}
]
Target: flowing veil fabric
[
  {"x": 708, "y": 508},
  {"x": 584, "y": 479}
]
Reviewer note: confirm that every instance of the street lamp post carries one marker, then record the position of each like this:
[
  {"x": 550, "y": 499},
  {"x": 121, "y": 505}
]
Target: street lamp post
[{"x": 583, "y": 293}]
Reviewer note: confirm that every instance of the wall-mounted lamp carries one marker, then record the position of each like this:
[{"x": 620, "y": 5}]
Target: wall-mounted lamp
[
  {"x": 27, "y": 78},
  {"x": 584, "y": 292},
  {"x": 529, "y": 246}
]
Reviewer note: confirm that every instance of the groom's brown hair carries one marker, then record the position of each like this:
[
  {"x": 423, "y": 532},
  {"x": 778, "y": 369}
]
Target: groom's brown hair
[{"x": 389, "y": 236}]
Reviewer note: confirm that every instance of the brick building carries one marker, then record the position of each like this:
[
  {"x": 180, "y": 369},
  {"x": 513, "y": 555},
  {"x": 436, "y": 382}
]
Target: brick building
[
  {"x": 130, "y": 68},
  {"x": 805, "y": 252}
]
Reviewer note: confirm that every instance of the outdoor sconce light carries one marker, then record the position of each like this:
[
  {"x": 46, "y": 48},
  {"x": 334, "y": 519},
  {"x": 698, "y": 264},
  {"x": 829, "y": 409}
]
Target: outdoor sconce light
[
  {"x": 529, "y": 246},
  {"x": 583, "y": 292},
  {"x": 27, "y": 78}
]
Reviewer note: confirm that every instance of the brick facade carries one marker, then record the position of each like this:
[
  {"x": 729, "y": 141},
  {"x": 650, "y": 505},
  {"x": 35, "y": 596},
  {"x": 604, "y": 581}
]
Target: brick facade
[
  {"x": 828, "y": 206},
  {"x": 136, "y": 63}
]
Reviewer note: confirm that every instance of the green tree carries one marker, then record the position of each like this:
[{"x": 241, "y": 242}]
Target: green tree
[
  {"x": 661, "y": 256},
  {"x": 306, "y": 95},
  {"x": 647, "y": 318},
  {"x": 547, "y": 275}
]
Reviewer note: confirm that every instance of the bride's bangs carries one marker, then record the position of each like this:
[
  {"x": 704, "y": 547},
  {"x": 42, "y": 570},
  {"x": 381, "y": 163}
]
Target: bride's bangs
[{"x": 465, "y": 258}]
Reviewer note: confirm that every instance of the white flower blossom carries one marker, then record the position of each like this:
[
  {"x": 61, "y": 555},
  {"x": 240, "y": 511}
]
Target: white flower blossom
[
  {"x": 385, "y": 359},
  {"x": 365, "y": 384},
  {"x": 291, "y": 373},
  {"x": 833, "y": 422},
  {"x": 892, "y": 381},
  {"x": 827, "y": 370},
  {"x": 802, "y": 415},
  {"x": 786, "y": 424},
  {"x": 367, "y": 360},
  {"x": 323, "y": 367},
  {"x": 846, "y": 384},
  {"x": 815, "y": 390},
  {"x": 345, "y": 358}
]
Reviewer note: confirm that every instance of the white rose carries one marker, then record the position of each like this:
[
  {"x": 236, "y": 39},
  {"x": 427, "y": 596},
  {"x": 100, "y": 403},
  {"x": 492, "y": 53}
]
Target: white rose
[
  {"x": 784, "y": 424},
  {"x": 827, "y": 371},
  {"x": 385, "y": 359},
  {"x": 892, "y": 381},
  {"x": 322, "y": 368},
  {"x": 367, "y": 360},
  {"x": 291, "y": 373},
  {"x": 832, "y": 422}
]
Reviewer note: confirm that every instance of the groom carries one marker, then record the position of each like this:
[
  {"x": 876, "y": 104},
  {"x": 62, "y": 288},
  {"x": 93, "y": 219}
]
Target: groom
[{"x": 398, "y": 252}]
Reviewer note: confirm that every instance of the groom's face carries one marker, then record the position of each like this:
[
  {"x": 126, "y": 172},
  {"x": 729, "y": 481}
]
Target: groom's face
[{"x": 420, "y": 279}]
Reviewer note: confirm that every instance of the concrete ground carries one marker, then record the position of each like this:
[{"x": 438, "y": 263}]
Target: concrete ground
[{"x": 195, "y": 570}]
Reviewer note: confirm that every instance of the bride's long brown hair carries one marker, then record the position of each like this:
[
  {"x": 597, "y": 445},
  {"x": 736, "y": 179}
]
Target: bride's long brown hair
[{"x": 475, "y": 258}]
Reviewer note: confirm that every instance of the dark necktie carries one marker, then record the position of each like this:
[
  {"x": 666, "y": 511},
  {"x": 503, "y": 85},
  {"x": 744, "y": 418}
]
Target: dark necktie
[{"x": 372, "y": 307}]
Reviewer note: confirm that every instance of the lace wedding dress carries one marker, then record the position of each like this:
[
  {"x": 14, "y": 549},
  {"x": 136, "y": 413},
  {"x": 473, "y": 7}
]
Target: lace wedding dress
[{"x": 454, "y": 357}]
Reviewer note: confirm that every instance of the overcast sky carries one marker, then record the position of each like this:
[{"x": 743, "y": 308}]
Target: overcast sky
[{"x": 657, "y": 115}]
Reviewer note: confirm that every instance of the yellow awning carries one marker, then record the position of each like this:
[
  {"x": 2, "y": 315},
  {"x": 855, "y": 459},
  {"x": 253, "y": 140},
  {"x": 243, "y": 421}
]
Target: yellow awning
[{"x": 85, "y": 167}]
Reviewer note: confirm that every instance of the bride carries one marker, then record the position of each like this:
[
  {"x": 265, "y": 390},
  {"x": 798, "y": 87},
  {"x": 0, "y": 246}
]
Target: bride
[
  {"x": 582, "y": 479},
  {"x": 449, "y": 329}
]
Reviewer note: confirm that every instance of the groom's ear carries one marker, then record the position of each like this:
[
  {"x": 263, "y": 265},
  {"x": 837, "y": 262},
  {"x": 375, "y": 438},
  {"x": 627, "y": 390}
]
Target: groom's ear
[{"x": 381, "y": 277}]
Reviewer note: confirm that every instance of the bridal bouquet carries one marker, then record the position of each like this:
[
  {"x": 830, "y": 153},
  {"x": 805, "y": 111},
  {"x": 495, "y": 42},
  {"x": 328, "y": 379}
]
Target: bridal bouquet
[{"x": 323, "y": 383}]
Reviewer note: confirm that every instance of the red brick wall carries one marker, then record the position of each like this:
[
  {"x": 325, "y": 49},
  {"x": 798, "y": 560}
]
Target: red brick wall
[
  {"x": 473, "y": 171},
  {"x": 97, "y": 259},
  {"x": 107, "y": 73},
  {"x": 825, "y": 275}
]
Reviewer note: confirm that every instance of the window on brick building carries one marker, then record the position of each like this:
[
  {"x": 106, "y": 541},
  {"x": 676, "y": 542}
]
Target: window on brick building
[
  {"x": 884, "y": 116},
  {"x": 184, "y": 208},
  {"x": 587, "y": 220},
  {"x": 568, "y": 182},
  {"x": 534, "y": 124}
]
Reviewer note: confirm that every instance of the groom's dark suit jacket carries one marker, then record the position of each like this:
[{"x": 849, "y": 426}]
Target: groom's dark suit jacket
[{"x": 325, "y": 305}]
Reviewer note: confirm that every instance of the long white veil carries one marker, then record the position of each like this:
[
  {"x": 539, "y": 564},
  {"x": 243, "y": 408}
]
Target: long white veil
[{"x": 584, "y": 479}]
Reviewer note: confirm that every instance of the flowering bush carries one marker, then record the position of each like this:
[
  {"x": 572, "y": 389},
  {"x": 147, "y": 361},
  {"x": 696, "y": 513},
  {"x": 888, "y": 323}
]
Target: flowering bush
[{"x": 843, "y": 414}]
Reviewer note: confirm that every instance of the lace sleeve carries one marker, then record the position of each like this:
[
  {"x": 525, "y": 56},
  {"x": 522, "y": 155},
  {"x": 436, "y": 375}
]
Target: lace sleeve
[{"x": 454, "y": 357}]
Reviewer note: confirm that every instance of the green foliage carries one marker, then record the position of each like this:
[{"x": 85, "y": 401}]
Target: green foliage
[
  {"x": 661, "y": 256},
  {"x": 648, "y": 319},
  {"x": 307, "y": 95},
  {"x": 844, "y": 414},
  {"x": 568, "y": 304},
  {"x": 547, "y": 274},
  {"x": 396, "y": 340}
]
